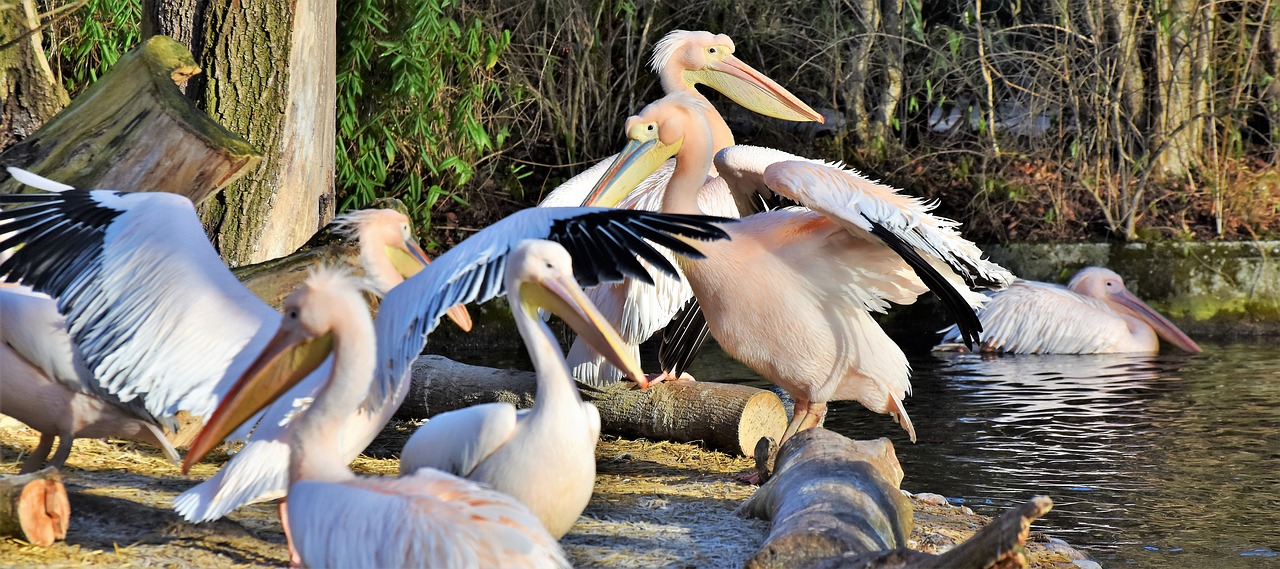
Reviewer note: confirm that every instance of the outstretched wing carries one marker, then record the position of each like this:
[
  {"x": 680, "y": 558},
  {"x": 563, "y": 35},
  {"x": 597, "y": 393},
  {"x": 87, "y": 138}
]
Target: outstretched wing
[
  {"x": 1032, "y": 317},
  {"x": 141, "y": 287},
  {"x": 931, "y": 245},
  {"x": 604, "y": 244}
]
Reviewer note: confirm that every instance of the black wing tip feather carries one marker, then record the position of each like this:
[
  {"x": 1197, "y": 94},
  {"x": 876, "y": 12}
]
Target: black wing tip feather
[
  {"x": 56, "y": 233},
  {"x": 967, "y": 321},
  {"x": 683, "y": 339},
  {"x": 599, "y": 241}
]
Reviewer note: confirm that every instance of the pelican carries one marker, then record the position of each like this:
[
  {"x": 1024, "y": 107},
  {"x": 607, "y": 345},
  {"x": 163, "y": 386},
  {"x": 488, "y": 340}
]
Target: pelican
[
  {"x": 682, "y": 60},
  {"x": 116, "y": 287},
  {"x": 790, "y": 294},
  {"x": 543, "y": 456},
  {"x": 1093, "y": 314},
  {"x": 44, "y": 372},
  {"x": 337, "y": 519}
]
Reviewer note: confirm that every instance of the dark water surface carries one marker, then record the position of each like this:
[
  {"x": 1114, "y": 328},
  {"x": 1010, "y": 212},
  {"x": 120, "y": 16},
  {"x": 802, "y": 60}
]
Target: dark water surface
[{"x": 1152, "y": 461}]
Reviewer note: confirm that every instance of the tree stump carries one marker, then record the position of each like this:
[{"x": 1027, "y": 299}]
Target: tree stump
[
  {"x": 729, "y": 418},
  {"x": 34, "y": 507},
  {"x": 134, "y": 130},
  {"x": 835, "y": 502}
]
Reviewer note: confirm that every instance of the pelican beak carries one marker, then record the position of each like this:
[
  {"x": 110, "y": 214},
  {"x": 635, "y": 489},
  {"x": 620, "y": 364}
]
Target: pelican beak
[
  {"x": 287, "y": 359},
  {"x": 1163, "y": 327},
  {"x": 753, "y": 90},
  {"x": 410, "y": 260},
  {"x": 637, "y": 160},
  {"x": 562, "y": 296}
]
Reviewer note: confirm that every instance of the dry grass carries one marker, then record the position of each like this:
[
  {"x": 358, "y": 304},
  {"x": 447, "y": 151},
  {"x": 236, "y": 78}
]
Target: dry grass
[{"x": 655, "y": 505}]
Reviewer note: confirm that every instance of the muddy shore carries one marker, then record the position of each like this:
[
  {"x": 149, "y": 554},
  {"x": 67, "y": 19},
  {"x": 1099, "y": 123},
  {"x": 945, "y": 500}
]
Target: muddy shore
[{"x": 656, "y": 505}]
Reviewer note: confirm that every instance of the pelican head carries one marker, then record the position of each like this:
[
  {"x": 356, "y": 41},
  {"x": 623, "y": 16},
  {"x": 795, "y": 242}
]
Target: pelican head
[
  {"x": 692, "y": 58},
  {"x": 541, "y": 276},
  {"x": 1107, "y": 286},
  {"x": 303, "y": 341},
  {"x": 653, "y": 136},
  {"x": 389, "y": 251}
]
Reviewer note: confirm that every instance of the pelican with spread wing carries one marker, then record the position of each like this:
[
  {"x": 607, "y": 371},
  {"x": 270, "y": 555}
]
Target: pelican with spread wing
[
  {"x": 161, "y": 325},
  {"x": 790, "y": 294},
  {"x": 1093, "y": 314}
]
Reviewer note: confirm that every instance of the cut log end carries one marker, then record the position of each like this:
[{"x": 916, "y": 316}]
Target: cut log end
[{"x": 35, "y": 507}]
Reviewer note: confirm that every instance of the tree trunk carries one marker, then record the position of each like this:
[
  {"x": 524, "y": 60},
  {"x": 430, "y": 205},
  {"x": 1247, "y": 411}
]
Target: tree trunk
[
  {"x": 269, "y": 73},
  {"x": 892, "y": 32},
  {"x": 133, "y": 130},
  {"x": 29, "y": 94},
  {"x": 34, "y": 507},
  {"x": 1271, "y": 65},
  {"x": 861, "y": 33},
  {"x": 729, "y": 418},
  {"x": 1178, "y": 131}
]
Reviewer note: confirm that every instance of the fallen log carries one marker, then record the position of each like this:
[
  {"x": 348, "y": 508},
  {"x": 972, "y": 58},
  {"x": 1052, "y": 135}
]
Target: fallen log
[
  {"x": 725, "y": 417},
  {"x": 133, "y": 129},
  {"x": 835, "y": 502},
  {"x": 34, "y": 507}
]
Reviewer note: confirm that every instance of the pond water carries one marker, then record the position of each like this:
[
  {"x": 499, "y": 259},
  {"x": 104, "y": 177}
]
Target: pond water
[{"x": 1152, "y": 461}]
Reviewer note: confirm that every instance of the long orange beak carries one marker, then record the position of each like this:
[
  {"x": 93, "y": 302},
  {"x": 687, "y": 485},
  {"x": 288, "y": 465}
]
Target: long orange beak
[
  {"x": 1163, "y": 327},
  {"x": 282, "y": 364},
  {"x": 458, "y": 313},
  {"x": 562, "y": 296},
  {"x": 753, "y": 90}
]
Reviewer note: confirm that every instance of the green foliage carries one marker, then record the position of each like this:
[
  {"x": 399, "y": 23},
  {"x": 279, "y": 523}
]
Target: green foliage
[
  {"x": 88, "y": 43},
  {"x": 415, "y": 91}
]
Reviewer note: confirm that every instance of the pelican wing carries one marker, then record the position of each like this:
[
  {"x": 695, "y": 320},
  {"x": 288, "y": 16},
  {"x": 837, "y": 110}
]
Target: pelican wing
[
  {"x": 1032, "y": 317},
  {"x": 458, "y": 441},
  {"x": 902, "y": 222},
  {"x": 428, "y": 519},
  {"x": 141, "y": 287},
  {"x": 604, "y": 244}
]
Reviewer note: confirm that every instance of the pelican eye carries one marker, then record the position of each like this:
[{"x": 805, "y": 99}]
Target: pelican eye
[
  {"x": 293, "y": 314},
  {"x": 711, "y": 50},
  {"x": 650, "y": 127}
]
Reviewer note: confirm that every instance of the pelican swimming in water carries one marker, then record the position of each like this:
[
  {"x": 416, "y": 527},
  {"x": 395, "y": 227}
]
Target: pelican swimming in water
[
  {"x": 544, "y": 456},
  {"x": 1093, "y": 314},
  {"x": 790, "y": 293},
  {"x": 337, "y": 519},
  {"x": 682, "y": 60},
  {"x": 55, "y": 389},
  {"x": 118, "y": 286}
]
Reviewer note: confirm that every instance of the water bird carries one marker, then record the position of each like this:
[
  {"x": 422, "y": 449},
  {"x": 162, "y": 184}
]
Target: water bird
[
  {"x": 336, "y": 519},
  {"x": 682, "y": 60},
  {"x": 544, "y": 456},
  {"x": 1094, "y": 314},
  {"x": 163, "y": 282},
  {"x": 790, "y": 294}
]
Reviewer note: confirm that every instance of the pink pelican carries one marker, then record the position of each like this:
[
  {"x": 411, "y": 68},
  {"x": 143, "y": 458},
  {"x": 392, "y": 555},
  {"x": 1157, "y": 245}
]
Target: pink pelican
[
  {"x": 118, "y": 286},
  {"x": 1093, "y": 314},
  {"x": 45, "y": 372},
  {"x": 544, "y": 456},
  {"x": 338, "y": 519},
  {"x": 682, "y": 60},
  {"x": 790, "y": 294}
]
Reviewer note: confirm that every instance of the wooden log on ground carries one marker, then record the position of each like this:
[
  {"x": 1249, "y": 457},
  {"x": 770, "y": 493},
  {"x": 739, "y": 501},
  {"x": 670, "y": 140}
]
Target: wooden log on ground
[
  {"x": 725, "y": 417},
  {"x": 835, "y": 502},
  {"x": 133, "y": 129},
  {"x": 34, "y": 507}
]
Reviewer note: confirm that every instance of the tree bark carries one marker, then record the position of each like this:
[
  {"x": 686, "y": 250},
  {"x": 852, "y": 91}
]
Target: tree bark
[
  {"x": 29, "y": 94},
  {"x": 1178, "y": 131},
  {"x": 133, "y": 130},
  {"x": 729, "y": 418},
  {"x": 892, "y": 32},
  {"x": 1271, "y": 64},
  {"x": 34, "y": 507},
  {"x": 835, "y": 503},
  {"x": 269, "y": 73}
]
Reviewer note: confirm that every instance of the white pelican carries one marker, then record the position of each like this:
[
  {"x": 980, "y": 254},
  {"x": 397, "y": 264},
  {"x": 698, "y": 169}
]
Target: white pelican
[
  {"x": 544, "y": 456},
  {"x": 790, "y": 293},
  {"x": 1093, "y": 314},
  {"x": 97, "y": 252},
  {"x": 682, "y": 60},
  {"x": 113, "y": 400},
  {"x": 338, "y": 519}
]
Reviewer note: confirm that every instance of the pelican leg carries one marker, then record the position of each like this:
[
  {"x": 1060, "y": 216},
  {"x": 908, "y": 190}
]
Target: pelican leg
[
  {"x": 295, "y": 560},
  {"x": 37, "y": 457},
  {"x": 817, "y": 412},
  {"x": 798, "y": 417},
  {"x": 64, "y": 450}
]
